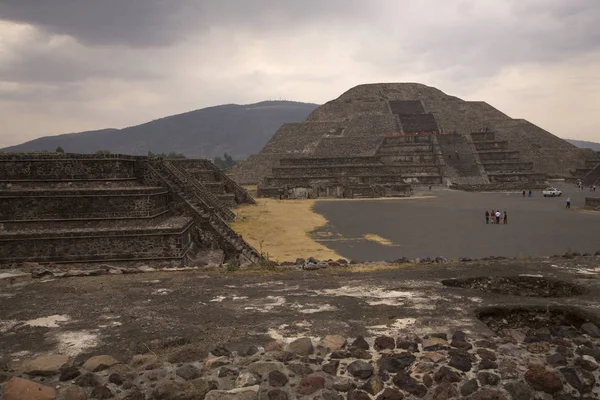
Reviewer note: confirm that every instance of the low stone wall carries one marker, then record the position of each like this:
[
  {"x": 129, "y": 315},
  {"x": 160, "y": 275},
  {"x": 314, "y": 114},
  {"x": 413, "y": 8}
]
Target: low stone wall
[
  {"x": 82, "y": 204},
  {"x": 367, "y": 179},
  {"x": 65, "y": 168},
  {"x": 498, "y": 186},
  {"x": 592, "y": 203},
  {"x": 336, "y": 190},
  {"x": 516, "y": 177},
  {"x": 96, "y": 245},
  {"x": 353, "y": 170}
]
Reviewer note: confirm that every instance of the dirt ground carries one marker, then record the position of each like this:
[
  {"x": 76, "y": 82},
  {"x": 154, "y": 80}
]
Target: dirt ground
[
  {"x": 195, "y": 310},
  {"x": 280, "y": 229}
]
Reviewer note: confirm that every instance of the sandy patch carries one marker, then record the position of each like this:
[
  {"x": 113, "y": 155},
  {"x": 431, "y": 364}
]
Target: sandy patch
[
  {"x": 398, "y": 325},
  {"x": 52, "y": 321},
  {"x": 162, "y": 292},
  {"x": 74, "y": 342},
  {"x": 280, "y": 229},
  {"x": 378, "y": 239},
  {"x": 266, "y": 305},
  {"x": 378, "y": 296},
  {"x": 313, "y": 308},
  {"x": 6, "y": 326}
]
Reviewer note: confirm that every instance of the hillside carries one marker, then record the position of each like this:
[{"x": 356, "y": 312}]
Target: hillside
[
  {"x": 239, "y": 130},
  {"x": 584, "y": 145}
]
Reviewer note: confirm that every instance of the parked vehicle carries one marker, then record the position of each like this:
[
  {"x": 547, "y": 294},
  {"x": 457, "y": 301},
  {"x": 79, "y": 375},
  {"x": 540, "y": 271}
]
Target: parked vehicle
[{"x": 551, "y": 192}]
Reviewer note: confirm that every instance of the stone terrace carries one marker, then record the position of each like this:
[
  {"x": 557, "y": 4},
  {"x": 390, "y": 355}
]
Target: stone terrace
[
  {"x": 89, "y": 208},
  {"x": 357, "y": 123}
]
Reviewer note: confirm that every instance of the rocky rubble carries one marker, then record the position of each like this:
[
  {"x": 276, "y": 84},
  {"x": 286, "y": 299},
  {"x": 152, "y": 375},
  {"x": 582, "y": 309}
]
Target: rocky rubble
[
  {"x": 51, "y": 271},
  {"x": 555, "y": 362}
]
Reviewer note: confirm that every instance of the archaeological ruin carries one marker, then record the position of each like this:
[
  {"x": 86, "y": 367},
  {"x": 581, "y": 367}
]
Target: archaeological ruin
[
  {"x": 379, "y": 139},
  {"x": 76, "y": 208}
]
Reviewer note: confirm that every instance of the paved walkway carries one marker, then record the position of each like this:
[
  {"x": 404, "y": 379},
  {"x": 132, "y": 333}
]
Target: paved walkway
[{"x": 453, "y": 225}]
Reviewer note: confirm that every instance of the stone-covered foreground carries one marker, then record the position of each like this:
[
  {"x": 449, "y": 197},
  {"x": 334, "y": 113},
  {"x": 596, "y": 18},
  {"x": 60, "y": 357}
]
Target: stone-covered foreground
[{"x": 558, "y": 362}]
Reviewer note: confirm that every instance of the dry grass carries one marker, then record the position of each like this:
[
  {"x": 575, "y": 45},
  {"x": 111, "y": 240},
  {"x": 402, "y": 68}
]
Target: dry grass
[
  {"x": 280, "y": 229},
  {"x": 378, "y": 239}
]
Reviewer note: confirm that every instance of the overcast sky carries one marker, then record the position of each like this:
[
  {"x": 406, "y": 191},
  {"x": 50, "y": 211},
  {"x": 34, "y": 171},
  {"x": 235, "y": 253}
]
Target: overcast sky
[{"x": 73, "y": 65}]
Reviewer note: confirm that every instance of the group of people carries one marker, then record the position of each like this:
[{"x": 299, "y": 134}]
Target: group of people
[
  {"x": 496, "y": 217},
  {"x": 580, "y": 187}
]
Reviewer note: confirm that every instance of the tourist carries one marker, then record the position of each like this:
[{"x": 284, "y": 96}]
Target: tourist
[
  {"x": 523, "y": 192},
  {"x": 505, "y": 218},
  {"x": 487, "y": 217},
  {"x": 594, "y": 187},
  {"x": 568, "y": 202},
  {"x": 493, "y": 214},
  {"x": 498, "y": 217},
  {"x": 530, "y": 193},
  {"x": 430, "y": 188}
]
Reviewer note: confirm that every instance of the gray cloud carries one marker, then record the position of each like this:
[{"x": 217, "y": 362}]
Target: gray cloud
[
  {"x": 114, "y": 62},
  {"x": 160, "y": 22}
]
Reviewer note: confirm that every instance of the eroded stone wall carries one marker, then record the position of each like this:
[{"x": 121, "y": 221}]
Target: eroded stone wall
[
  {"x": 592, "y": 202},
  {"x": 27, "y": 167},
  {"x": 97, "y": 245},
  {"x": 82, "y": 204}
]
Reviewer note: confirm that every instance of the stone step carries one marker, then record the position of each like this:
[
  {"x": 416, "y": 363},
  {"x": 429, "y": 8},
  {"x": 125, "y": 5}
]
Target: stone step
[
  {"x": 82, "y": 204},
  {"x": 77, "y": 184},
  {"x": 167, "y": 238},
  {"x": 68, "y": 167}
]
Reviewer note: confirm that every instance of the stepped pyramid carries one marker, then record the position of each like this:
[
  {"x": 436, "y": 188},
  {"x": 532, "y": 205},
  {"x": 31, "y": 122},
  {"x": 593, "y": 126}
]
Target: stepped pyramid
[
  {"x": 78, "y": 208},
  {"x": 377, "y": 137}
]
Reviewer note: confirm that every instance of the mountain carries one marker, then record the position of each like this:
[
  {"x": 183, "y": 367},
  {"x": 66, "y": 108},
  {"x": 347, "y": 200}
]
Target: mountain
[
  {"x": 584, "y": 145},
  {"x": 239, "y": 130}
]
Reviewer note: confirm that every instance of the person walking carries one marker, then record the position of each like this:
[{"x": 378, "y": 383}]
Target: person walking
[
  {"x": 568, "y": 202},
  {"x": 487, "y": 217},
  {"x": 493, "y": 216},
  {"x": 498, "y": 217},
  {"x": 523, "y": 193},
  {"x": 505, "y": 218},
  {"x": 530, "y": 193}
]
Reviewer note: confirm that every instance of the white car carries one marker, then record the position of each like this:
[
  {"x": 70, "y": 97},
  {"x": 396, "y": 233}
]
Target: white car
[{"x": 551, "y": 192}]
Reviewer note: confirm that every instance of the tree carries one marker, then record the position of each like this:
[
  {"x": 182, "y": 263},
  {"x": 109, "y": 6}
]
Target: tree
[
  {"x": 225, "y": 163},
  {"x": 171, "y": 154},
  {"x": 103, "y": 152},
  {"x": 59, "y": 150}
]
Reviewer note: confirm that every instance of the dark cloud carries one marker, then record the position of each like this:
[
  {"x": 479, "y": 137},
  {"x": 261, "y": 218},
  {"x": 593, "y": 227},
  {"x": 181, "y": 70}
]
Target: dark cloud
[
  {"x": 164, "y": 22},
  {"x": 155, "y": 57}
]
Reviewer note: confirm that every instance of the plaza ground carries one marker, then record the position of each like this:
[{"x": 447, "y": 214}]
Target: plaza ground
[{"x": 440, "y": 222}]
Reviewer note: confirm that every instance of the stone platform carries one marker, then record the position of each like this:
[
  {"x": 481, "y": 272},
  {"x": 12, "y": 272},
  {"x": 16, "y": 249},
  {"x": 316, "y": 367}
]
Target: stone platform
[{"x": 67, "y": 208}]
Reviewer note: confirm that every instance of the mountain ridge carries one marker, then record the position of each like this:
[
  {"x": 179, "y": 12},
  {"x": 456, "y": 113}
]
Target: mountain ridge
[
  {"x": 204, "y": 133},
  {"x": 133, "y": 139}
]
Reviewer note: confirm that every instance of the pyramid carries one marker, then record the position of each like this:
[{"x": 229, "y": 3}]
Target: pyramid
[{"x": 376, "y": 137}]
